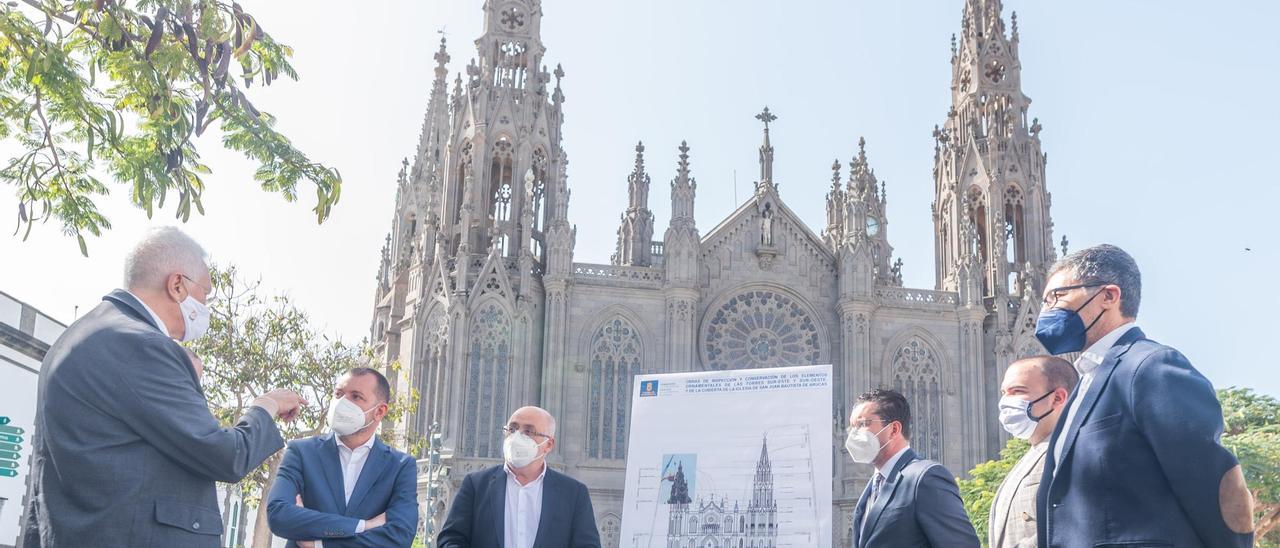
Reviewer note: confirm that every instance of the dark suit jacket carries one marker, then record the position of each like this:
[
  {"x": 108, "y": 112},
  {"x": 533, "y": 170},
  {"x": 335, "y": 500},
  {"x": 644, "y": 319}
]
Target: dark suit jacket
[
  {"x": 126, "y": 452},
  {"x": 311, "y": 467},
  {"x": 918, "y": 506},
  {"x": 477, "y": 518},
  {"x": 1141, "y": 461}
]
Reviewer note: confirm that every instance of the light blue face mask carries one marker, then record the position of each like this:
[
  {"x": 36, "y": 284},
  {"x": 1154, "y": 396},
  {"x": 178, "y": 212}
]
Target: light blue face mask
[{"x": 1061, "y": 330}]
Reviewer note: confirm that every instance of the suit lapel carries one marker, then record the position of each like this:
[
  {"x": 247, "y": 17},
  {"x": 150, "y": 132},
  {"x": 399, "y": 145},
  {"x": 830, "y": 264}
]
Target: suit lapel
[
  {"x": 1101, "y": 377},
  {"x": 332, "y": 468},
  {"x": 374, "y": 465},
  {"x": 1015, "y": 479},
  {"x": 858, "y": 512},
  {"x": 550, "y": 494},
  {"x": 498, "y": 501},
  {"x": 888, "y": 489}
]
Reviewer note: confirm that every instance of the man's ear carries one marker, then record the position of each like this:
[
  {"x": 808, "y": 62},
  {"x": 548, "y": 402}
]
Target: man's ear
[
  {"x": 1060, "y": 397},
  {"x": 384, "y": 409},
  {"x": 1113, "y": 295},
  {"x": 174, "y": 287}
]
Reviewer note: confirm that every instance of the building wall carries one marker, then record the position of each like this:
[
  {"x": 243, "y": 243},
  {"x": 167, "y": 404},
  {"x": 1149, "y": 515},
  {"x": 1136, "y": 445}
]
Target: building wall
[{"x": 25, "y": 336}]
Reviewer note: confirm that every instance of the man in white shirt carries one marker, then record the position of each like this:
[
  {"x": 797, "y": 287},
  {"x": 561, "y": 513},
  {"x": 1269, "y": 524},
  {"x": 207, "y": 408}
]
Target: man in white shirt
[
  {"x": 1137, "y": 458},
  {"x": 910, "y": 502},
  {"x": 1034, "y": 393},
  {"x": 346, "y": 487},
  {"x": 532, "y": 505}
]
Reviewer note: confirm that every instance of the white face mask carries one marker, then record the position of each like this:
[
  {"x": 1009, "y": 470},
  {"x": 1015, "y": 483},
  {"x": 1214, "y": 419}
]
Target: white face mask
[
  {"x": 520, "y": 450},
  {"x": 863, "y": 446},
  {"x": 1016, "y": 417},
  {"x": 346, "y": 418},
  {"x": 195, "y": 318}
]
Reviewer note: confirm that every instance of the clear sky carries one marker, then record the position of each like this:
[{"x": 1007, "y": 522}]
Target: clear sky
[{"x": 1156, "y": 120}]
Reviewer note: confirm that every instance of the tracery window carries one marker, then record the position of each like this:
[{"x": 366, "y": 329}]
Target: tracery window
[{"x": 615, "y": 360}]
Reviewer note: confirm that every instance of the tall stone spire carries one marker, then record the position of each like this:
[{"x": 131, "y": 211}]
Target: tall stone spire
[
  {"x": 865, "y": 219},
  {"x": 766, "y": 154},
  {"x": 681, "y": 257},
  {"x": 635, "y": 235},
  {"x": 988, "y": 165},
  {"x": 683, "y": 190},
  {"x": 833, "y": 234},
  {"x": 435, "y": 126}
]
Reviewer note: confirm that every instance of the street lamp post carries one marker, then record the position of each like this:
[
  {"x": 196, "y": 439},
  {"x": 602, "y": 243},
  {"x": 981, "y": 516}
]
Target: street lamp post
[{"x": 435, "y": 474}]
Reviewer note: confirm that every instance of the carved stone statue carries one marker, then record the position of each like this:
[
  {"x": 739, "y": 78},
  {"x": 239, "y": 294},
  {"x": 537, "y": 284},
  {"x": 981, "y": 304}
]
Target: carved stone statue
[{"x": 766, "y": 226}]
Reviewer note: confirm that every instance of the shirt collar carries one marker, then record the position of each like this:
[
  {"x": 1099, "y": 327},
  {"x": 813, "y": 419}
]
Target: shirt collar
[
  {"x": 159, "y": 322},
  {"x": 512, "y": 475},
  {"x": 889, "y": 464},
  {"x": 366, "y": 445},
  {"x": 1092, "y": 357}
]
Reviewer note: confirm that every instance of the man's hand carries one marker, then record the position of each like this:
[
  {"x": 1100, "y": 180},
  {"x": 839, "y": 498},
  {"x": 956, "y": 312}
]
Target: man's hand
[
  {"x": 281, "y": 403},
  {"x": 375, "y": 521}
]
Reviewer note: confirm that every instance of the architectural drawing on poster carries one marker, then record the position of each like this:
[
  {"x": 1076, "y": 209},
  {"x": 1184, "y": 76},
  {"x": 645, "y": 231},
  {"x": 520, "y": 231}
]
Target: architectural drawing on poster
[{"x": 732, "y": 459}]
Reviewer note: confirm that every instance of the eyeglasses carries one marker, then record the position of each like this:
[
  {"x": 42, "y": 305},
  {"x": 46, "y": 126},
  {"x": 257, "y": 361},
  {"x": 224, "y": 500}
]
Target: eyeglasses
[
  {"x": 208, "y": 291},
  {"x": 864, "y": 423},
  {"x": 1052, "y": 296},
  {"x": 527, "y": 430}
]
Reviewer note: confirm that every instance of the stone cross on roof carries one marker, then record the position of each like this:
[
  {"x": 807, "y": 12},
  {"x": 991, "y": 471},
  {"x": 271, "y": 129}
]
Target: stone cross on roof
[{"x": 766, "y": 117}]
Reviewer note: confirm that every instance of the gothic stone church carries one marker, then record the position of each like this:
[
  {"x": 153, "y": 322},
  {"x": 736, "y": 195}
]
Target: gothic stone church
[{"x": 481, "y": 303}]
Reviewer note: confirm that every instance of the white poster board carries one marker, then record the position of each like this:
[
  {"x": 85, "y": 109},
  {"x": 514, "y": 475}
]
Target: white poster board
[{"x": 730, "y": 458}]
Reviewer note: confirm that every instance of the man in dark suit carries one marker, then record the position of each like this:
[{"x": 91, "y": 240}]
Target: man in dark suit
[
  {"x": 910, "y": 501},
  {"x": 346, "y": 487},
  {"x": 522, "y": 503},
  {"x": 125, "y": 451},
  {"x": 1136, "y": 458}
]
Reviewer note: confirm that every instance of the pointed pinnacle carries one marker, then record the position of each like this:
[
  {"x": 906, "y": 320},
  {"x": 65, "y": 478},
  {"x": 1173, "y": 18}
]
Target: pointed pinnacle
[
  {"x": 442, "y": 56},
  {"x": 640, "y": 157}
]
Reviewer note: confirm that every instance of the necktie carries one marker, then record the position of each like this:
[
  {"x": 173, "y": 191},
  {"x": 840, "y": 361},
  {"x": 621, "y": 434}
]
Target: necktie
[{"x": 876, "y": 482}]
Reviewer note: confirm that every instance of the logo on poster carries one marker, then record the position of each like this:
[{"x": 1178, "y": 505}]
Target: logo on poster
[{"x": 648, "y": 388}]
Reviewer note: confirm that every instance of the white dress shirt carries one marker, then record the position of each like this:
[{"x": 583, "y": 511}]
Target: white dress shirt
[
  {"x": 1086, "y": 365},
  {"x": 352, "y": 461},
  {"x": 523, "y": 510}
]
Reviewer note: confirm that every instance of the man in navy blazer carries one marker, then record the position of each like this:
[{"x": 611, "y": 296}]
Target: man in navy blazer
[
  {"x": 522, "y": 503},
  {"x": 910, "y": 502},
  {"x": 1136, "y": 458},
  {"x": 346, "y": 488}
]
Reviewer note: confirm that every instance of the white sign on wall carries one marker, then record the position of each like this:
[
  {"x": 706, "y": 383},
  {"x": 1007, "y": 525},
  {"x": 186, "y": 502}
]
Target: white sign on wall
[{"x": 730, "y": 459}]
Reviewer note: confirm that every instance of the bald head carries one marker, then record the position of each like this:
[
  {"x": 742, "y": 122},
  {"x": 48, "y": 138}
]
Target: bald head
[
  {"x": 1057, "y": 372},
  {"x": 537, "y": 417}
]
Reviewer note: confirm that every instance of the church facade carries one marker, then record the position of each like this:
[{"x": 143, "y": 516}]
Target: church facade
[{"x": 482, "y": 307}]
